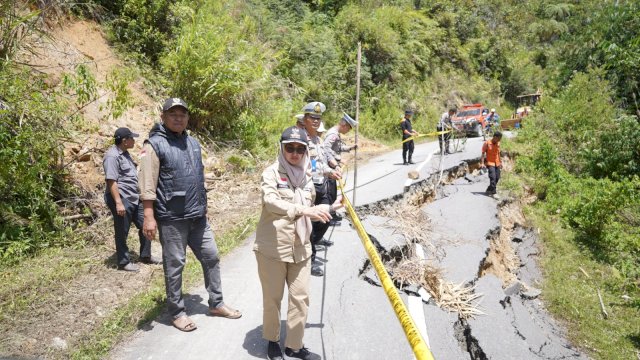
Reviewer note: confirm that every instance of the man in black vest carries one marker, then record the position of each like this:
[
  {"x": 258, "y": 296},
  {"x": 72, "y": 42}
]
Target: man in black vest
[{"x": 175, "y": 203}]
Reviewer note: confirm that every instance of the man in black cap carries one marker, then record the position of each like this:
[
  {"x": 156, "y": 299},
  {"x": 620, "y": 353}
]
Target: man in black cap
[
  {"x": 407, "y": 132},
  {"x": 122, "y": 198},
  {"x": 175, "y": 204}
]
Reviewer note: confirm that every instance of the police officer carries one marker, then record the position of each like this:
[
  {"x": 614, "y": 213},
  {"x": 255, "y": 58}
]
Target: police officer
[
  {"x": 443, "y": 125},
  {"x": 333, "y": 147},
  {"x": 321, "y": 172},
  {"x": 121, "y": 196},
  {"x": 407, "y": 132},
  {"x": 175, "y": 204}
]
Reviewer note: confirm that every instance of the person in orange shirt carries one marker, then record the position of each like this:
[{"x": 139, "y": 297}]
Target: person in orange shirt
[{"x": 491, "y": 159}]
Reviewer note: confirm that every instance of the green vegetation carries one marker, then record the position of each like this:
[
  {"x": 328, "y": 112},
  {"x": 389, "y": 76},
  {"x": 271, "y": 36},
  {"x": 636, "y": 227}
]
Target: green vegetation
[
  {"x": 580, "y": 154},
  {"x": 572, "y": 281},
  {"x": 34, "y": 123},
  {"x": 247, "y": 66}
]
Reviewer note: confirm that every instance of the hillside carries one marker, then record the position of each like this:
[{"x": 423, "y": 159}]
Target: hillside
[{"x": 72, "y": 72}]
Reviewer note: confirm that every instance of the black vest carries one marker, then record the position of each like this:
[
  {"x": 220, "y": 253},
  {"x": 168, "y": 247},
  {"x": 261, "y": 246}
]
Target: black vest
[{"x": 181, "y": 193}]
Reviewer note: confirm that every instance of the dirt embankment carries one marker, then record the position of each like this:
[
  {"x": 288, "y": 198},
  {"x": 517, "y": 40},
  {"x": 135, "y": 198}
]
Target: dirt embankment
[
  {"x": 53, "y": 301},
  {"x": 56, "y": 299}
]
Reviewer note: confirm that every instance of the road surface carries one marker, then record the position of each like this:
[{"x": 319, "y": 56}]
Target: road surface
[{"x": 350, "y": 316}]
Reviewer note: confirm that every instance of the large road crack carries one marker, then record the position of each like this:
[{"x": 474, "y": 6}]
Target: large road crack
[{"x": 467, "y": 341}]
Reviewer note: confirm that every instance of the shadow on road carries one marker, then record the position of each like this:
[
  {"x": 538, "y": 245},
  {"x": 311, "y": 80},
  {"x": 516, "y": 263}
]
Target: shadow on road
[
  {"x": 193, "y": 305},
  {"x": 483, "y": 193}
]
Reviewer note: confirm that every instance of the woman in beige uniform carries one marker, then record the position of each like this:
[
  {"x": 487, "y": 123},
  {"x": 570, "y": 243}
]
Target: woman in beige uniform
[{"x": 283, "y": 245}]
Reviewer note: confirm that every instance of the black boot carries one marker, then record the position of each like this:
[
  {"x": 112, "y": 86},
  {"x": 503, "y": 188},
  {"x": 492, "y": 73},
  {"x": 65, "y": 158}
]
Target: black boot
[
  {"x": 316, "y": 270},
  {"x": 303, "y": 353},
  {"x": 273, "y": 351}
]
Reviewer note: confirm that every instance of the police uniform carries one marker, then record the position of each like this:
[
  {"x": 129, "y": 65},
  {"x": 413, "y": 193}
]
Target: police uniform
[
  {"x": 283, "y": 256},
  {"x": 320, "y": 170},
  {"x": 407, "y": 146},
  {"x": 333, "y": 147}
]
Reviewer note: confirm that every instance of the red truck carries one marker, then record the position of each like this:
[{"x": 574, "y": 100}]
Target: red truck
[{"x": 470, "y": 119}]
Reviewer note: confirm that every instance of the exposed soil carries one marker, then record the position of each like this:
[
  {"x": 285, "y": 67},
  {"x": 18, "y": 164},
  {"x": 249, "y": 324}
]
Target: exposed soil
[
  {"x": 47, "y": 312},
  {"x": 68, "y": 309}
]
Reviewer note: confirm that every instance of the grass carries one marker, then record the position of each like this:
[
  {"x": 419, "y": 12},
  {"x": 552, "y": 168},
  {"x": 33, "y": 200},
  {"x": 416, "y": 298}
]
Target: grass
[
  {"x": 21, "y": 284},
  {"x": 572, "y": 279},
  {"x": 510, "y": 183},
  {"x": 150, "y": 303}
]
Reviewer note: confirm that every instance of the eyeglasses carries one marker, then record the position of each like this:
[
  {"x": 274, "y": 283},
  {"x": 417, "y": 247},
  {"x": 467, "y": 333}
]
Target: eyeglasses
[{"x": 297, "y": 149}]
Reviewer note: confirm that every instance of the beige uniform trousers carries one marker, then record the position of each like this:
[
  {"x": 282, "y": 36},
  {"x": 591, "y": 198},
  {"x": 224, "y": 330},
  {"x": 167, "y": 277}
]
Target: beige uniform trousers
[{"x": 273, "y": 275}]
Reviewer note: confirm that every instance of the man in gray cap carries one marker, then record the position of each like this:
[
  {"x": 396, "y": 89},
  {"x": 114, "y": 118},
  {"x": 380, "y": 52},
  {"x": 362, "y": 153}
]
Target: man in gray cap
[
  {"x": 121, "y": 196},
  {"x": 333, "y": 147},
  {"x": 320, "y": 173},
  {"x": 175, "y": 203}
]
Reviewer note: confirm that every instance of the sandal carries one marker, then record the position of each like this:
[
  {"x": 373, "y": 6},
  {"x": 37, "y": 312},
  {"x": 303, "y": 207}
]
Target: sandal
[
  {"x": 225, "y": 312},
  {"x": 184, "y": 323}
]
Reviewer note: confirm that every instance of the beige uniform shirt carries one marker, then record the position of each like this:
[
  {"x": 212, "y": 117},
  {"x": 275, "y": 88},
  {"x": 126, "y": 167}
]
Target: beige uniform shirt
[
  {"x": 149, "y": 172},
  {"x": 276, "y": 237}
]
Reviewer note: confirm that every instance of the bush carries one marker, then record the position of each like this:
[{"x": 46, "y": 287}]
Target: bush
[
  {"x": 145, "y": 27},
  {"x": 574, "y": 119},
  {"x": 617, "y": 151},
  {"x": 29, "y": 151},
  {"x": 224, "y": 79},
  {"x": 606, "y": 215}
]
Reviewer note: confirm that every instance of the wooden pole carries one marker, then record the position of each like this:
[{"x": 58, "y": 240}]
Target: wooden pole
[{"x": 355, "y": 159}]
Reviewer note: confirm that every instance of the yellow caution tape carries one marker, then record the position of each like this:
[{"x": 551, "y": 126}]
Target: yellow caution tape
[
  {"x": 420, "y": 348},
  {"x": 435, "y": 133}
]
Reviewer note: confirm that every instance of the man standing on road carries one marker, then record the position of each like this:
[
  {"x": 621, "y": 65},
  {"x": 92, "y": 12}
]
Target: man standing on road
[
  {"x": 445, "y": 125},
  {"x": 122, "y": 198},
  {"x": 321, "y": 172},
  {"x": 407, "y": 132},
  {"x": 333, "y": 147},
  {"x": 491, "y": 159},
  {"x": 175, "y": 203}
]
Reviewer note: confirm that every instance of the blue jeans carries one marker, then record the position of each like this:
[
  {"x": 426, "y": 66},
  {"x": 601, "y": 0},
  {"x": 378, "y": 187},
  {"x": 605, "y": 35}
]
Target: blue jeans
[
  {"x": 175, "y": 236},
  {"x": 134, "y": 213}
]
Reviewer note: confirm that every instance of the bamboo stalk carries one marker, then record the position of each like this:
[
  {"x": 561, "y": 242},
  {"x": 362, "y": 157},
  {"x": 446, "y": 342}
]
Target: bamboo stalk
[
  {"x": 604, "y": 311},
  {"x": 355, "y": 157}
]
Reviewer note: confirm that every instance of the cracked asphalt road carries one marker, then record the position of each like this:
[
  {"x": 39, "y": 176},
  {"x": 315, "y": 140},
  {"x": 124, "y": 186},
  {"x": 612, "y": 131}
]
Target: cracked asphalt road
[{"x": 350, "y": 317}]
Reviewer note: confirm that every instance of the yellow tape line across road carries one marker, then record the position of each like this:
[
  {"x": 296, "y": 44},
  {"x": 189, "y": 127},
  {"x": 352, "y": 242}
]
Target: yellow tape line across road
[
  {"x": 420, "y": 348},
  {"x": 435, "y": 133}
]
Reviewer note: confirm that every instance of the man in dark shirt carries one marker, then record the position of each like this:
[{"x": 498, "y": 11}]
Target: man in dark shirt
[
  {"x": 122, "y": 198},
  {"x": 407, "y": 132}
]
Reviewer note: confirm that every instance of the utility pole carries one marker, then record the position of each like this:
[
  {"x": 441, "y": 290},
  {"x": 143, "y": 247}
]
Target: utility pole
[{"x": 355, "y": 160}]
